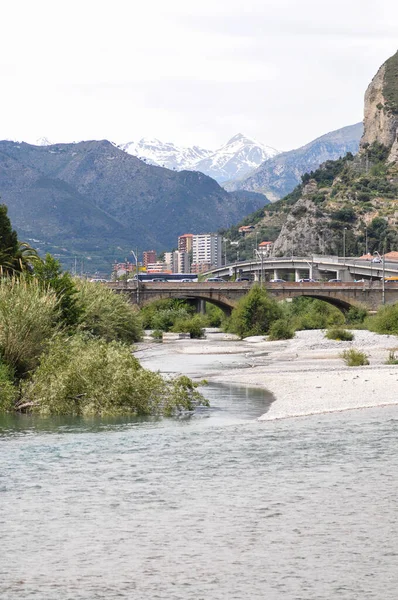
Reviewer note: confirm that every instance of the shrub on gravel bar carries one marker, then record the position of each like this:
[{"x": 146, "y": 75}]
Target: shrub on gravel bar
[
  {"x": 339, "y": 334},
  {"x": 354, "y": 358}
]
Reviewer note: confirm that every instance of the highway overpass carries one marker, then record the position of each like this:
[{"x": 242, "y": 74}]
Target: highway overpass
[{"x": 308, "y": 267}]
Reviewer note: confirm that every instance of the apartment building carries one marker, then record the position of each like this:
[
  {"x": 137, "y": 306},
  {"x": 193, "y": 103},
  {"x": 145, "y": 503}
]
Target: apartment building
[
  {"x": 149, "y": 257},
  {"x": 177, "y": 262},
  {"x": 185, "y": 242},
  {"x": 206, "y": 249}
]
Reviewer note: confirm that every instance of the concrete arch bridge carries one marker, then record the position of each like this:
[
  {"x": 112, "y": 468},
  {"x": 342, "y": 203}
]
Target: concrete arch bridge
[{"x": 369, "y": 294}]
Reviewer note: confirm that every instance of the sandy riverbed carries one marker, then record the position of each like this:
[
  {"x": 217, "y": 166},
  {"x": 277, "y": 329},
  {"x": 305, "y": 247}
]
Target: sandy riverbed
[{"x": 306, "y": 374}]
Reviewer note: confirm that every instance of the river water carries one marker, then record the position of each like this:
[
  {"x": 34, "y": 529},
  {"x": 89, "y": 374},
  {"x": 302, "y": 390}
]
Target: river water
[{"x": 217, "y": 506}]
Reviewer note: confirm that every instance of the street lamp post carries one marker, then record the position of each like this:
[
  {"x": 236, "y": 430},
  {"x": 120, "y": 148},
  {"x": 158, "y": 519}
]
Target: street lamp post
[
  {"x": 260, "y": 255},
  {"x": 383, "y": 284},
  {"x": 344, "y": 232},
  {"x": 225, "y": 250},
  {"x": 366, "y": 239},
  {"x": 135, "y": 254}
]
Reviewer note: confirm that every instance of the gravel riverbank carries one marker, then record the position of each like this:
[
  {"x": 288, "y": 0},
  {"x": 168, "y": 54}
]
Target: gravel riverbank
[{"x": 306, "y": 374}]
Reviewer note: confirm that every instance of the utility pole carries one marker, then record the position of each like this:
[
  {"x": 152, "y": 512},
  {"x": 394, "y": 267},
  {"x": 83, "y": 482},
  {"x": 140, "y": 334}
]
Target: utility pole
[
  {"x": 366, "y": 239},
  {"x": 383, "y": 281},
  {"x": 260, "y": 255},
  {"x": 135, "y": 254},
  {"x": 344, "y": 231}
]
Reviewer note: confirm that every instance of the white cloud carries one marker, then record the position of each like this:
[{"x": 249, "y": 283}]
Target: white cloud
[{"x": 280, "y": 70}]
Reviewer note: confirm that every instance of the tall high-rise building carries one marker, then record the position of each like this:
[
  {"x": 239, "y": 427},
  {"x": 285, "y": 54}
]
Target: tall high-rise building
[
  {"x": 206, "y": 249},
  {"x": 185, "y": 242},
  {"x": 149, "y": 257},
  {"x": 171, "y": 260},
  {"x": 183, "y": 262},
  {"x": 177, "y": 262}
]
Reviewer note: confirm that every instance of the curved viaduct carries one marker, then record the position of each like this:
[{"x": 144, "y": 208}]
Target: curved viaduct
[{"x": 370, "y": 295}]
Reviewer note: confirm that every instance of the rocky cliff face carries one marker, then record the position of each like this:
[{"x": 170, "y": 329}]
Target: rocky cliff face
[
  {"x": 349, "y": 205},
  {"x": 305, "y": 227},
  {"x": 381, "y": 109}
]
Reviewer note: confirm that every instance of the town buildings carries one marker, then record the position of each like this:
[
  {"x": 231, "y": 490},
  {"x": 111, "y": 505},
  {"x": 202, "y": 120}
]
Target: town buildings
[
  {"x": 196, "y": 253},
  {"x": 185, "y": 242},
  {"x": 206, "y": 252},
  {"x": 148, "y": 257}
]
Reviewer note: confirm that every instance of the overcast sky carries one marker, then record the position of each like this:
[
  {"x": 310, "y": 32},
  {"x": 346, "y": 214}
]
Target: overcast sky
[{"x": 191, "y": 72}]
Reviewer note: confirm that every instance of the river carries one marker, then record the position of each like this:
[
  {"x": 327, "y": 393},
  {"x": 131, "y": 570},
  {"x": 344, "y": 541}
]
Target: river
[{"x": 216, "y": 506}]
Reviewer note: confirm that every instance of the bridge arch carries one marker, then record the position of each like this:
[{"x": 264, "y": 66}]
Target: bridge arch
[
  {"x": 343, "y": 305},
  {"x": 224, "y": 304}
]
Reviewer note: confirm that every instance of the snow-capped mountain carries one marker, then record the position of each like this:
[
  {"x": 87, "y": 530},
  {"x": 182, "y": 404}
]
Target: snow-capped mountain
[
  {"x": 43, "y": 141},
  {"x": 165, "y": 154},
  {"x": 233, "y": 160}
]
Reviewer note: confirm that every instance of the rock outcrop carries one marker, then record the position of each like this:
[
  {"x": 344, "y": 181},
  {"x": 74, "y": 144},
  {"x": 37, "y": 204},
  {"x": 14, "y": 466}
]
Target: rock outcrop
[
  {"x": 381, "y": 109},
  {"x": 304, "y": 228}
]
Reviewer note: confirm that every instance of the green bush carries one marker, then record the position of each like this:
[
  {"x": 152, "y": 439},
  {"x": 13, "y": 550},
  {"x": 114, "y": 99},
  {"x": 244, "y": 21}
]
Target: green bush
[
  {"x": 392, "y": 358},
  {"x": 342, "y": 335},
  {"x": 310, "y": 313},
  {"x": 254, "y": 314},
  {"x": 157, "y": 335},
  {"x": 281, "y": 330},
  {"x": 165, "y": 319},
  {"x": 215, "y": 316},
  {"x": 194, "y": 326},
  {"x": 385, "y": 321},
  {"x": 107, "y": 314},
  {"x": 49, "y": 273},
  {"x": 354, "y": 358},
  {"x": 356, "y": 315},
  {"x": 8, "y": 391},
  {"x": 162, "y": 314},
  {"x": 29, "y": 317},
  {"x": 82, "y": 375}
]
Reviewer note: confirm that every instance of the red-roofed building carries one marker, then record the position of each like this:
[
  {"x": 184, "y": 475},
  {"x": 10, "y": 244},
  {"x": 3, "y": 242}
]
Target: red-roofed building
[
  {"x": 391, "y": 256},
  {"x": 367, "y": 256},
  {"x": 246, "y": 229},
  {"x": 265, "y": 248},
  {"x": 185, "y": 242}
]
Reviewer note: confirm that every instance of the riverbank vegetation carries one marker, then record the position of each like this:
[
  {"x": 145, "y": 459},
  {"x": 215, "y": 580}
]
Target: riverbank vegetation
[
  {"x": 180, "y": 317},
  {"x": 354, "y": 358},
  {"x": 339, "y": 334},
  {"x": 258, "y": 314},
  {"x": 65, "y": 344}
]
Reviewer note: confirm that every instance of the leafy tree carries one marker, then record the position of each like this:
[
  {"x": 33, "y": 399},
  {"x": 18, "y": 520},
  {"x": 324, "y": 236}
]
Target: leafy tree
[
  {"x": 310, "y": 313},
  {"x": 103, "y": 313},
  {"x": 385, "y": 321},
  {"x": 8, "y": 242},
  {"x": 254, "y": 314},
  {"x": 281, "y": 330},
  {"x": 49, "y": 273}
]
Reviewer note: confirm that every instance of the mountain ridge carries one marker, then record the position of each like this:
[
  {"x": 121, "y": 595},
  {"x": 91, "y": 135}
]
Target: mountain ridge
[
  {"x": 348, "y": 206},
  {"x": 92, "y": 198},
  {"x": 279, "y": 175},
  {"x": 233, "y": 159}
]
